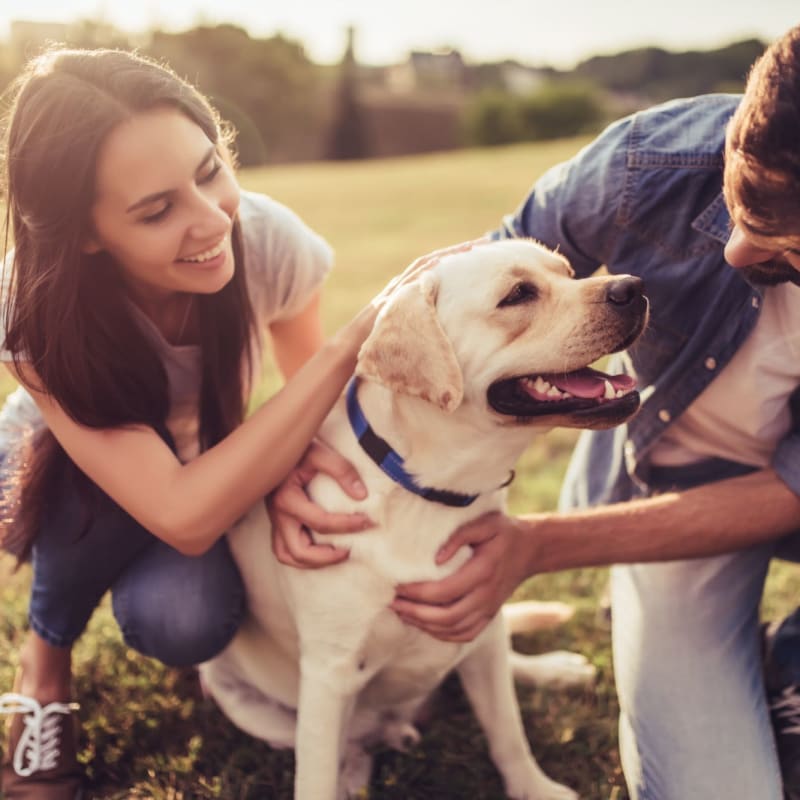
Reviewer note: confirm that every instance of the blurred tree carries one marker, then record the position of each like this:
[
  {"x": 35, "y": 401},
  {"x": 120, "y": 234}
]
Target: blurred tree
[
  {"x": 493, "y": 118},
  {"x": 267, "y": 88},
  {"x": 347, "y": 138},
  {"x": 658, "y": 74},
  {"x": 557, "y": 109},
  {"x": 563, "y": 109}
]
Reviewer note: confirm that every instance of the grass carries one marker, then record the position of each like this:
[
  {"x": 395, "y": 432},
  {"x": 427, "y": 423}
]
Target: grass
[{"x": 147, "y": 733}]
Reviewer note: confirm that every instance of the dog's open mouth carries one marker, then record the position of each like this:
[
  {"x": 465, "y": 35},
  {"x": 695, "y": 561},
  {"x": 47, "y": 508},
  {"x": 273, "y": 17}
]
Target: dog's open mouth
[{"x": 572, "y": 393}]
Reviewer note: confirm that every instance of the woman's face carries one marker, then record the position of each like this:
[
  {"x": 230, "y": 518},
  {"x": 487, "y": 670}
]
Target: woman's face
[{"x": 164, "y": 207}]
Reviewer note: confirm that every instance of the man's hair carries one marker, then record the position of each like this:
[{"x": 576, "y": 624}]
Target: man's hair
[{"x": 762, "y": 152}]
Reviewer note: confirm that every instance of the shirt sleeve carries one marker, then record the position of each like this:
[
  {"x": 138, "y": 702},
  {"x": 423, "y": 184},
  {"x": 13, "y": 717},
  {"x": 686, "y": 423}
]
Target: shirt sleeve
[
  {"x": 286, "y": 261},
  {"x": 574, "y": 206}
]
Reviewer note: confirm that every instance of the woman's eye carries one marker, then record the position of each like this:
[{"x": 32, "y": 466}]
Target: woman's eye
[
  {"x": 158, "y": 215},
  {"x": 212, "y": 173}
]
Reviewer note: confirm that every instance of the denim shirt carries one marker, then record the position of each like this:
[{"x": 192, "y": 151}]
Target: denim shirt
[{"x": 645, "y": 198}]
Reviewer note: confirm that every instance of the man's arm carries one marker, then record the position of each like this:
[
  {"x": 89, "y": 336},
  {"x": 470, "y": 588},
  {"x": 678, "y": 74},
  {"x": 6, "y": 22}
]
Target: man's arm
[
  {"x": 709, "y": 520},
  {"x": 705, "y": 521}
]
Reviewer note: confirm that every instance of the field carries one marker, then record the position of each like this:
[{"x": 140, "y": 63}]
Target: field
[{"x": 147, "y": 732}]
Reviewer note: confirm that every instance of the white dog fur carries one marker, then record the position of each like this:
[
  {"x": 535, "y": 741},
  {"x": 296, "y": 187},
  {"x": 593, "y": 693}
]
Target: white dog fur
[{"x": 321, "y": 664}]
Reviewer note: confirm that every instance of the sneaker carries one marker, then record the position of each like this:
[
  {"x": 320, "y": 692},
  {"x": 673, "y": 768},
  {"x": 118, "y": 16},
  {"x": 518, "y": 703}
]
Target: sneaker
[
  {"x": 784, "y": 707},
  {"x": 40, "y": 760}
]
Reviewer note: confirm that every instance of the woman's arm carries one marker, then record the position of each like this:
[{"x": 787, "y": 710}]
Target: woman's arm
[
  {"x": 296, "y": 339},
  {"x": 189, "y": 506}
]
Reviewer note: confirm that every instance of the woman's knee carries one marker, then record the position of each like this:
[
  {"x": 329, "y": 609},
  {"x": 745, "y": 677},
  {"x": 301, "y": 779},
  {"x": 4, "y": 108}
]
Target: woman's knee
[{"x": 180, "y": 609}]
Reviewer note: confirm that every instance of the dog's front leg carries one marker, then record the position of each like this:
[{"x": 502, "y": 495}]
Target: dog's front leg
[
  {"x": 323, "y": 714},
  {"x": 486, "y": 677}
]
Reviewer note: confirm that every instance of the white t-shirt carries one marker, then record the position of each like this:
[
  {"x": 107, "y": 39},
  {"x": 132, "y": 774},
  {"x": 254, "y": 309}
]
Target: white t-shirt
[
  {"x": 744, "y": 412},
  {"x": 285, "y": 263}
]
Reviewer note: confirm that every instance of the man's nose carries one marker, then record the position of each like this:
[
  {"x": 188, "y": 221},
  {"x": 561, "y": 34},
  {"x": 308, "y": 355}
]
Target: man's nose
[{"x": 741, "y": 252}]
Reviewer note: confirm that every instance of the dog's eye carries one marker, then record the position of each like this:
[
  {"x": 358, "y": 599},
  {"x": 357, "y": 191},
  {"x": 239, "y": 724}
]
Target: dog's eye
[{"x": 521, "y": 293}]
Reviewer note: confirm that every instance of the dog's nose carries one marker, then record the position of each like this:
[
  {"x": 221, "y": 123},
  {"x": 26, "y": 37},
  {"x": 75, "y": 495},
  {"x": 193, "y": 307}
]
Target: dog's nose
[{"x": 624, "y": 291}]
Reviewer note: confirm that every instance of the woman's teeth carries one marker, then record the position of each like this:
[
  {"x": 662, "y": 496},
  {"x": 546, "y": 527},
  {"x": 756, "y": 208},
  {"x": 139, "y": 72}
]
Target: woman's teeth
[{"x": 207, "y": 254}]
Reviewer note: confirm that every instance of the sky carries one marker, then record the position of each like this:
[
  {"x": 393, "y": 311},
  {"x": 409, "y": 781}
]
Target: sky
[{"x": 557, "y": 33}]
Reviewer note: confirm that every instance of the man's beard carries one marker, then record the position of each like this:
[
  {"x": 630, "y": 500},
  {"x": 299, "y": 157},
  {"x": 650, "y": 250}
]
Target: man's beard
[{"x": 771, "y": 273}]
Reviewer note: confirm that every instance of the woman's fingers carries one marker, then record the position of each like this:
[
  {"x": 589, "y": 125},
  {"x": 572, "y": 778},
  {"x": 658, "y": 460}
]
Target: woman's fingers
[
  {"x": 424, "y": 263},
  {"x": 321, "y": 458},
  {"x": 293, "y": 545},
  {"x": 290, "y": 501}
]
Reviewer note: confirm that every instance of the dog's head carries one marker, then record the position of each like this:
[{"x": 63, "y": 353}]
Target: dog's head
[{"x": 504, "y": 327}]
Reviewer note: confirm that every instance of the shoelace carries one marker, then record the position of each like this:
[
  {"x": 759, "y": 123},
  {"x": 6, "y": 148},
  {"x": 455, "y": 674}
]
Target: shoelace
[
  {"x": 38, "y": 748},
  {"x": 787, "y": 707}
]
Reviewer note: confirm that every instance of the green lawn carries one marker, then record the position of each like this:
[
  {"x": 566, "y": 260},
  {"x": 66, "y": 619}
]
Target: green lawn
[{"x": 148, "y": 733}]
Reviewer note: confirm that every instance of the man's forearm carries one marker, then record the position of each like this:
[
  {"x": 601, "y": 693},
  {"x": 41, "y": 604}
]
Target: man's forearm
[{"x": 708, "y": 520}]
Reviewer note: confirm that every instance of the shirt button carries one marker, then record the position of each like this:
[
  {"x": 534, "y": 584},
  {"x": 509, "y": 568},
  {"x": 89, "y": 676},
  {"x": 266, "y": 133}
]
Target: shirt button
[
  {"x": 664, "y": 415},
  {"x": 756, "y": 302},
  {"x": 711, "y": 363}
]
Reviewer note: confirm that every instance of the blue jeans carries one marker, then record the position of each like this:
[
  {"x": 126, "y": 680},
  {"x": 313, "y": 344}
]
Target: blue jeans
[
  {"x": 179, "y": 609},
  {"x": 786, "y": 651},
  {"x": 694, "y": 721}
]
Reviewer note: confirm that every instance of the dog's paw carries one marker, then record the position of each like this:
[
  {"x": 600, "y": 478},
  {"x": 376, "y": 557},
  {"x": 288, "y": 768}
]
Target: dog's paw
[
  {"x": 355, "y": 773},
  {"x": 559, "y": 669},
  {"x": 400, "y": 735},
  {"x": 542, "y": 788},
  {"x": 532, "y": 615}
]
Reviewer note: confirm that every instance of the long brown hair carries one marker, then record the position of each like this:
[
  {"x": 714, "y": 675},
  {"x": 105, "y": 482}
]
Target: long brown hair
[{"x": 67, "y": 316}]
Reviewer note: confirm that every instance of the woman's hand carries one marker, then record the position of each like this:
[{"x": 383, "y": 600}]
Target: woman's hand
[
  {"x": 293, "y": 513},
  {"x": 423, "y": 264},
  {"x": 458, "y": 608}
]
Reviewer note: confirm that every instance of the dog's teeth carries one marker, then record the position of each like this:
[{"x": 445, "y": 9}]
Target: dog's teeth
[
  {"x": 610, "y": 392},
  {"x": 620, "y": 393},
  {"x": 553, "y": 392},
  {"x": 541, "y": 385}
]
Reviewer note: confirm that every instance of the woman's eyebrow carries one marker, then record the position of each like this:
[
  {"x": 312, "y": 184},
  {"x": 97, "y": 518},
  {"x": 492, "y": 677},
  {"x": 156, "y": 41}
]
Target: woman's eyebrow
[{"x": 151, "y": 198}]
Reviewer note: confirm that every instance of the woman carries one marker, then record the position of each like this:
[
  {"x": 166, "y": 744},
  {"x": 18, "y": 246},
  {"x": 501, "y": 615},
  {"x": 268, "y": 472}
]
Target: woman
[{"x": 136, "y": 303}]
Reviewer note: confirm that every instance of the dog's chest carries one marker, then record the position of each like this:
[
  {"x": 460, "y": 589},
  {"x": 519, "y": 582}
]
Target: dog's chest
[
  {"x": 348, "y": 631},
  {"x": 402, "y": 664}
]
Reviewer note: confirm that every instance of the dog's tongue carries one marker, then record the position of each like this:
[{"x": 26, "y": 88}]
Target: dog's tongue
[{"x": 590, "y": 383}]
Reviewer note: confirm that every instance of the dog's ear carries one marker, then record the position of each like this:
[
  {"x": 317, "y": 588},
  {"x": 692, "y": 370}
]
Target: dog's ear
[{"x": 408, "y": 350}]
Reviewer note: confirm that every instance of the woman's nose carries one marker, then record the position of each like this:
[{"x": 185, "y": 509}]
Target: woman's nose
[
  {"x": 211, "y": 215},
  {"x": 741, "y": 252}
]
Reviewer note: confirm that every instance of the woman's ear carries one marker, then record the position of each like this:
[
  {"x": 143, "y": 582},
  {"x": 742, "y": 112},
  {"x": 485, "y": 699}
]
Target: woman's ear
[{"x": 91, "y": 246}]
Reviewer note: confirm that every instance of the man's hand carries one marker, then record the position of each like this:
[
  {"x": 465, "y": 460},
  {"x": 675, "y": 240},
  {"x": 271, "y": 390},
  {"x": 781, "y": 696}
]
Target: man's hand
[
  {"x": 292, "y": 512},
  {"x": 458, "y": 608}
]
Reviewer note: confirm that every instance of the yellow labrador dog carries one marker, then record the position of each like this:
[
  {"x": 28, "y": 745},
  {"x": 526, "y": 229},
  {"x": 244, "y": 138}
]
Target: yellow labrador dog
[{"x": 463, "y": 365}]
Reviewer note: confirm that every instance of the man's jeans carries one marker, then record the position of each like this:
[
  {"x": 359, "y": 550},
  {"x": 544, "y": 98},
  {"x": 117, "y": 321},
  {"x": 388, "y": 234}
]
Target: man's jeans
[{"x": 694, "y": 720}]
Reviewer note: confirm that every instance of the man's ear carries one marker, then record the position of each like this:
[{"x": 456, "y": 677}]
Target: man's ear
[{"x": 408, "y": 350}]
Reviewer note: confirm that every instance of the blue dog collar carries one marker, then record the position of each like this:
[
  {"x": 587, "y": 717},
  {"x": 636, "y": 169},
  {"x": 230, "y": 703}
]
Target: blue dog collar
[{"x": 390, "y": 461}]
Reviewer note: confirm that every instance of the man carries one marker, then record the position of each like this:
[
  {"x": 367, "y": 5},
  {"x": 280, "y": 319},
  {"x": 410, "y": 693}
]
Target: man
[{"x": 701, "y": 489}]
